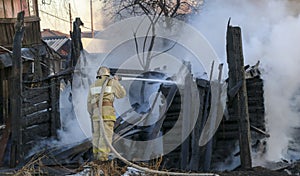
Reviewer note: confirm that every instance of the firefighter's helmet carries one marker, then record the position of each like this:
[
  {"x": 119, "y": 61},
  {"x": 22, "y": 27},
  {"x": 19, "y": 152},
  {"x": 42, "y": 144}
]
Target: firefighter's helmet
[{"x": 103, "y": 71}]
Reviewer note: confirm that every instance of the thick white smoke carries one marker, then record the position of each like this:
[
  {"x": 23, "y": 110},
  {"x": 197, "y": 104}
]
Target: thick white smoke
[{"x": 271, "y": 34}]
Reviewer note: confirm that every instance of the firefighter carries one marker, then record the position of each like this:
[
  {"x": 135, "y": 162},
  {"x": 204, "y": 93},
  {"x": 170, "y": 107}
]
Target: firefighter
[{"x": 113, "y": 90}]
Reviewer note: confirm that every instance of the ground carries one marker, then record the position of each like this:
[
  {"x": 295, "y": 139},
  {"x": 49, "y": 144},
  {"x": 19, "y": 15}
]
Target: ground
[
  {"x": 292, "y": 169},
  {"x": 118, "y": 169}
]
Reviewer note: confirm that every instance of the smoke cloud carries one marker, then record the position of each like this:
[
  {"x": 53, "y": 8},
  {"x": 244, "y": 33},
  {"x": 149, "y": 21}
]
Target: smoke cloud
[{"x": 271, "y": 34}]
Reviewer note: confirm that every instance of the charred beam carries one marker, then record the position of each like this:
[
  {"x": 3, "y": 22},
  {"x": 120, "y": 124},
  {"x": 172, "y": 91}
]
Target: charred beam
[
  {"x": 236, "y": 74},
  {"x": 16, "y": 87}
]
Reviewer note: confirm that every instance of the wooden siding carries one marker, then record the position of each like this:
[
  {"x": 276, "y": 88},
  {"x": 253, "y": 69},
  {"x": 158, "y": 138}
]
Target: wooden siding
[
  {"x": 32, "y": 34},
  {"x": 40, "y": 111},
  {"x": 10, "y": 8}
]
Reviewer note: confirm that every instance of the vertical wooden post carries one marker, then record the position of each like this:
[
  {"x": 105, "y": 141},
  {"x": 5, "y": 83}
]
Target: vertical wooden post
[
  {"x": 197, "y": 154},
  {"x": 55, "y": 120},
  {"x": 235, "y": 61},
  {"x": 16, "y": 92},
  {"x": 186, "y": 110},
  {"x": 76, "y": 41}
]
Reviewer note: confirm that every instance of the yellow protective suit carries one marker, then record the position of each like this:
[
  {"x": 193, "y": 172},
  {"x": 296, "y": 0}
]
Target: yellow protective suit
[{"x": 113, "y": 90}]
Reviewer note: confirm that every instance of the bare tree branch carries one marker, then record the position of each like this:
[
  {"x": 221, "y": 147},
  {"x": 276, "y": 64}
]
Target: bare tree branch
[{"x": 155, "y": 55}]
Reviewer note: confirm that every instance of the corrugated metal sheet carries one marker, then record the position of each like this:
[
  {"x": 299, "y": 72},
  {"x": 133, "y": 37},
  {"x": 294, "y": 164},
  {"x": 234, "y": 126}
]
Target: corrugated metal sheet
[{"x": 57, "y": 43}]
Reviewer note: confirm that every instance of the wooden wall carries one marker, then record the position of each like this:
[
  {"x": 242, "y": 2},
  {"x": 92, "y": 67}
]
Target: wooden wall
[
  {"x": 40, "y": 111},
  {"x": 32, "y": 35},
  {"x": 227, "y": 136},
  {"x": 40, "y": 115},
  {"x": 10, "y": 8},
  {"x": 188, "y": 156}
]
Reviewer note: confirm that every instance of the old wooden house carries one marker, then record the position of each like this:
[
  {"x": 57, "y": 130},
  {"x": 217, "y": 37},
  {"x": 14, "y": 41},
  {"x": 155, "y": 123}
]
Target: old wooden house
[{"x": 29, "y": 82}]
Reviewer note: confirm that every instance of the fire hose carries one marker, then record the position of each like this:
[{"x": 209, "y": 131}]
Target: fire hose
[{"x": 130, "y": 164}]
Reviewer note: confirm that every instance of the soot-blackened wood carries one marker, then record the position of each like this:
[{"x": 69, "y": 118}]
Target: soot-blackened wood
[
  {"x": 16, "y": 96},
  {"x": 186, "y": 121},
  {"x": 55, "y": 122},
  {"x": 235, "y": 61},
  {"x": 76, "y": 42},
  {"x": 31, "y": 133},
  {"x": 37, "y": 108},
  {"x": 36, "y": 118},
  {"x": 43, "y": 97},
  {"x": 30, "y": 93},
  {"x": 3, "y": 120},
  {"x": 197, "y": 151}
]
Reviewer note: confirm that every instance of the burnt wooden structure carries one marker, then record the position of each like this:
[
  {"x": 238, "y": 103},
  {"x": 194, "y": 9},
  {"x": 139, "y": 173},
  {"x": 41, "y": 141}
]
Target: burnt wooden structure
[
  {"x": 37, "y": 115},
  {"x": 8, "y": 15},
  {"x": 239, "y": 100},
  {"x": 188, "y": 156},
  {"x": 245, "y": 111},
  {"x": 225, "y": 141},
  {"x": 30, "y": 88},
  {"x": 16, "y": 87}
]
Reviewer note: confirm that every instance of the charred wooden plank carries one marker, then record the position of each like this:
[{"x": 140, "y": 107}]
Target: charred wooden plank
[
  {"x": 258, "y": 130},
  {"x": 229, "y": 127},
  {"x": 36, "y": 108},
  {"x": 254, "y": 80},
  {"x": 234, "y": 134},
  {"x": 255, "y": 98},
  {"x": 37, "y": 118},
  {"x": 256, "y": 103},
  {"x": 32, "y": 132},
  {"x": 43, "y": 97},
  {"x": 32, "y": 93},
  {"x": 67, "y": 154},
  {"x": 196, "y": 153}
]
